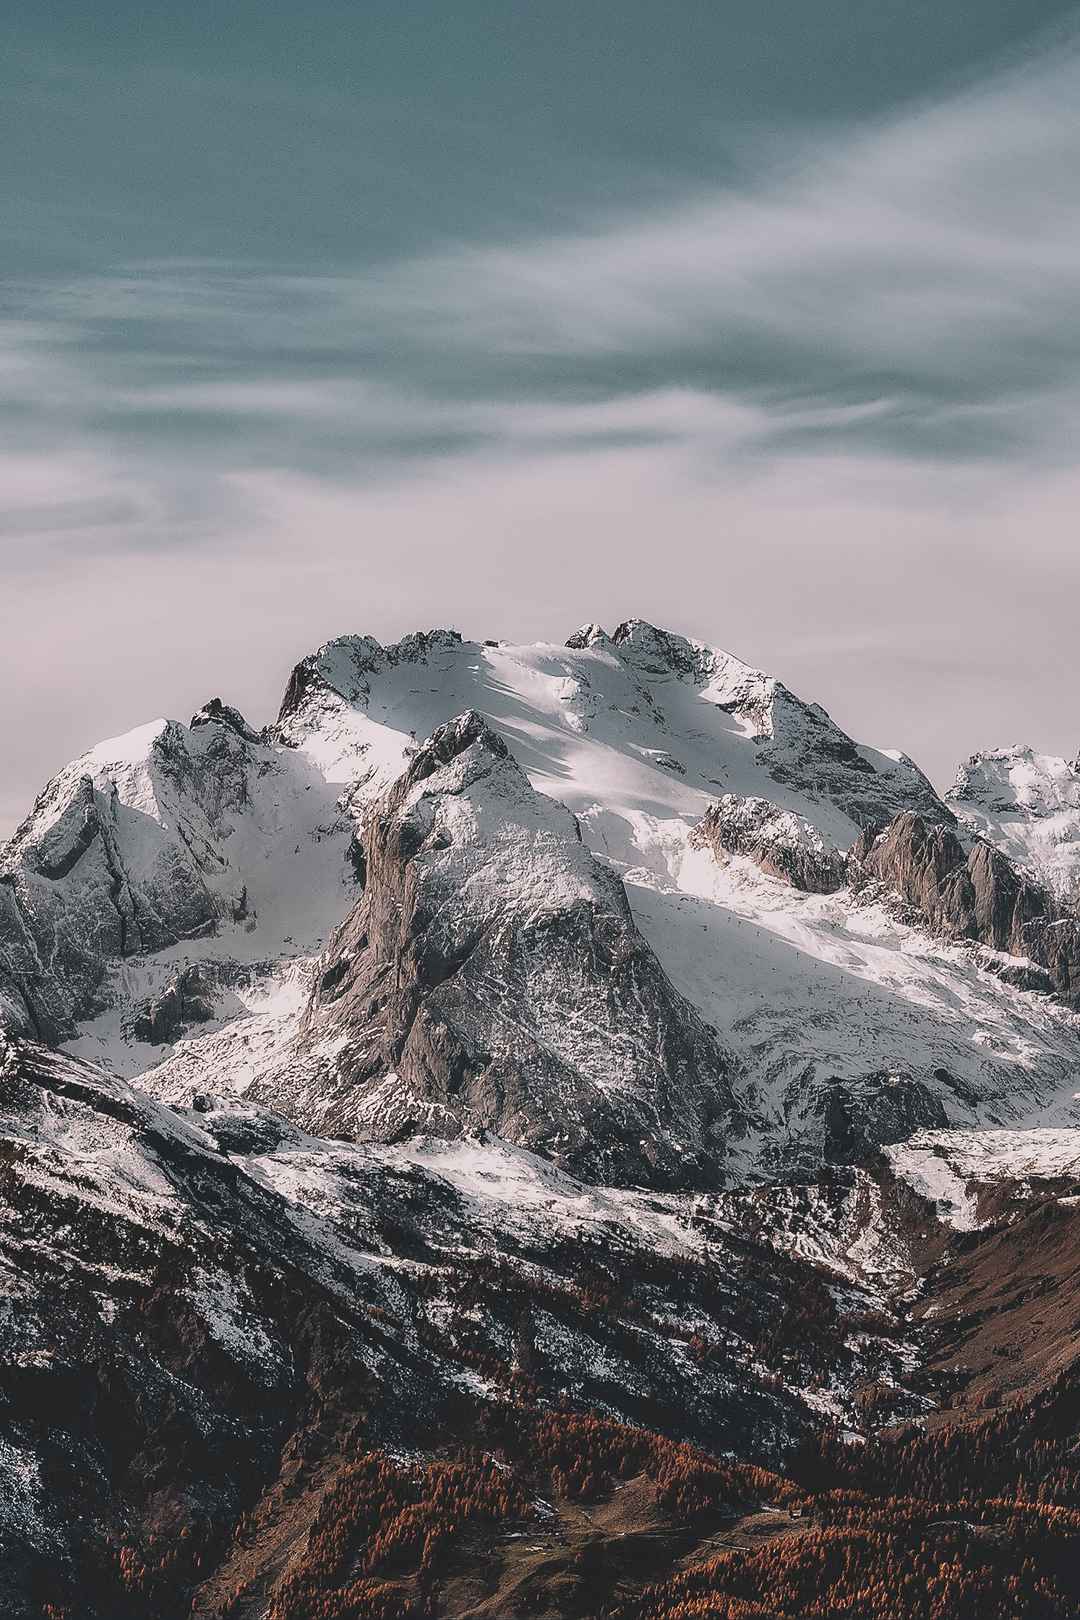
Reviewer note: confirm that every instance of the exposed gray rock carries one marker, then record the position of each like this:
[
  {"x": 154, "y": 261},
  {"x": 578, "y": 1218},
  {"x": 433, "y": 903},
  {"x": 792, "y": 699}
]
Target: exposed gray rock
[
  {"x": 492, "y": 977},
  {"x": 780, "y": 842},
  {"x": 800, "y": 745},
  {"x": 883, "y": 1108},
  {"x": 163, "y": 1018},
  {"x": 215, "y": 712},
  {"x": 1017, "y": 971},
  {"x": 156, "y": 839},
  {"x": 342, "y": 669},
  {"x": 976, "y": 893},
  {"x": 87, "y": 881},
  {"x": 1027, "y": 805}
]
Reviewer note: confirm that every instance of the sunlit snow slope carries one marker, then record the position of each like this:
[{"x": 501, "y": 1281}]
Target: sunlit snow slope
[{"x": 851, "y": 1024}]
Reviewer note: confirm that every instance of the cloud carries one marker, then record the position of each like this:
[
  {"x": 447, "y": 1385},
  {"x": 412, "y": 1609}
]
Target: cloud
[
  {"x": 934, "y": 261},
  {"x": 825, "y": 417},
  {"x": 912, "y": 286}
]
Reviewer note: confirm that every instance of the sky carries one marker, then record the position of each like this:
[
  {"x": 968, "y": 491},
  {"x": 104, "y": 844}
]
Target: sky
[{"x": 759, "y": 319}]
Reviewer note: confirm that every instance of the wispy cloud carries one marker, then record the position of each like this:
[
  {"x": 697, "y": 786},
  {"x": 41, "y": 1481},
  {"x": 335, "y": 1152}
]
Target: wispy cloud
[
  {"x": 846, "y": 390},
  {"x": 913, "y": 287}
]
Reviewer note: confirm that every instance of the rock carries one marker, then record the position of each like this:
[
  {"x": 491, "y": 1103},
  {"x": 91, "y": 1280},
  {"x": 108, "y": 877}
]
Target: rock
[
  {"x": 974, "y": 892},
  {"x": 800, "y": 747},
  {"x": 590, "y": 635},
  {"x": 1028, "y": 806},
  {"x": 783, "y": 844},
  {"x": 492, "y": 977},
  {"x": 210, "y": 1316},
  {"x": 341, "y": 669},
  {"x": 163, "y": 1018},
  {"x": 883, "y": 1108},
  {"x": 218, "y": 713}
]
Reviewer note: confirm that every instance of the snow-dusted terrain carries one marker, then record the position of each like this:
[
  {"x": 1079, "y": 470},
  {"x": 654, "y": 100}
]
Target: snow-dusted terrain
[
  {"x": 950, "y": 1168},
  {"x": 590, "y": 1025},
  {"x": 1028, "y": 805},
  {"x": 170, "y": 893}
]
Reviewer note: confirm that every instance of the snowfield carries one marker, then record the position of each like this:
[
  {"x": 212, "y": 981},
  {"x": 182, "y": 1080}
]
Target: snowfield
[
  {"x": 948, "y": 1168},
  {"x": 843, "y": 1015}
]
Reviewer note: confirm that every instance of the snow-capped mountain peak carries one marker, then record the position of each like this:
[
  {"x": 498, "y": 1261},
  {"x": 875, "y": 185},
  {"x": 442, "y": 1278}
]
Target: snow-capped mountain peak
[
  {"x": 166, "y": 903},
  {"x": 1028, "y": 805}
]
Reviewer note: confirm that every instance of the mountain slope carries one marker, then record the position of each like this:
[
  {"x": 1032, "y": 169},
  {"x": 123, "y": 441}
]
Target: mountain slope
[
  {"x": 211, "y": 1315},
  {"x": 703, "y": 1097},
  {"x": 492, "y": 977},
  {"x": 170, "y": 846},
  {"x": 250, "y": 1371},
  {"x": 1028, "y": 806},
  {"x": 645, "y": 721},
  {"x": 165, "y": 904}
]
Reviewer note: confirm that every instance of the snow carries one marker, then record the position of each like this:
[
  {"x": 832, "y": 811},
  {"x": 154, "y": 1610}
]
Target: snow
[
  {"x": 229, "y": 1313},
  {"x": 815, "y": 982},
  {"x": 1028, "y": 805},
  {"x": 588, "y": 724},
  {"x": 22, "y": 1497},
  {"x": 795, "y": 979},
  {"x": 256, "y": 1019},
  {"x": 636, "y": 734},
  {"x": 502, "y": 1185},
  {"x": 948, "y": 1167}
]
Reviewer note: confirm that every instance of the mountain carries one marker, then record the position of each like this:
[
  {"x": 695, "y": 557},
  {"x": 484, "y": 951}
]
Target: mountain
[
  {"x": 547, "y": 1130},
  {"x": 155, "y": 849},
  {"x": 170, "y": 894},
  {"x": 207, "y": 1306},
  {"x": 492, "y": 978},
  {"x": 1028, "y": 806}
]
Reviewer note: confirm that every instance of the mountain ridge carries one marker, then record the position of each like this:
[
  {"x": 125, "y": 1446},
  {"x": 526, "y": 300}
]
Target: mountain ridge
[
  {"x": 173, "y": 888},
  {"x": 524, "y": 1121}
]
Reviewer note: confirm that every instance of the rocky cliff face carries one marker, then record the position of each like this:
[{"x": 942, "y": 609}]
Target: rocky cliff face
[
  {"x": 492, "y": 978},
  {"x": 976, "y": 893},
  {"x": 171, "y": 839},
  {"x": 92, "y": 877},
  {"x": 781, "y": 843},
  {"x": 1027, "y": 805}
]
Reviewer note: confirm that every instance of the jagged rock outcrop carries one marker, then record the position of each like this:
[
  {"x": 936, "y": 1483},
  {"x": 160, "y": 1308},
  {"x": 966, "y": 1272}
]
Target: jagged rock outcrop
[
  {"x": 157, "y": 839},
  {"x": 859, "y": 1120},
  {"x": 1027, "y": 805},
  {"x": 342, "y": 670},
  {"x": 783, "y": 844},
  {"x": 974, "y": 892},
  {"x": 215, "y": 712},
  {"x": 799, "y": 744},
  {"x": 186, "y": 1000},
  {"x": 88, "y": 880},
  {"x": 492, "y": 977}
]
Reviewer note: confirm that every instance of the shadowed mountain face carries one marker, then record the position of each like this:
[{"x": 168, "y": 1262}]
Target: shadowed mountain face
[
  {"x": 976, "y": 893},
  {"x": 151, "y": 843},
  {"x": 247, "y": 1371},
  {"x": 425, "y": 1123},
  {"x": 212, "y": 1316},
  {"x": 492, "y": 977},
  {"x": 679, "y": 986}
]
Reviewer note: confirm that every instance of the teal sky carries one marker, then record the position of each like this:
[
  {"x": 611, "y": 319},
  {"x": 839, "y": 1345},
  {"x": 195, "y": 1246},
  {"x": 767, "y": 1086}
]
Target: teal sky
[{"x": 759, "y": 318}]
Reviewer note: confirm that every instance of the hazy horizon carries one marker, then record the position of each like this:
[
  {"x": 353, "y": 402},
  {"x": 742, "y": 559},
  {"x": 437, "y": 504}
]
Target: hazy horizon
[{"x": 760, "y": 323}]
